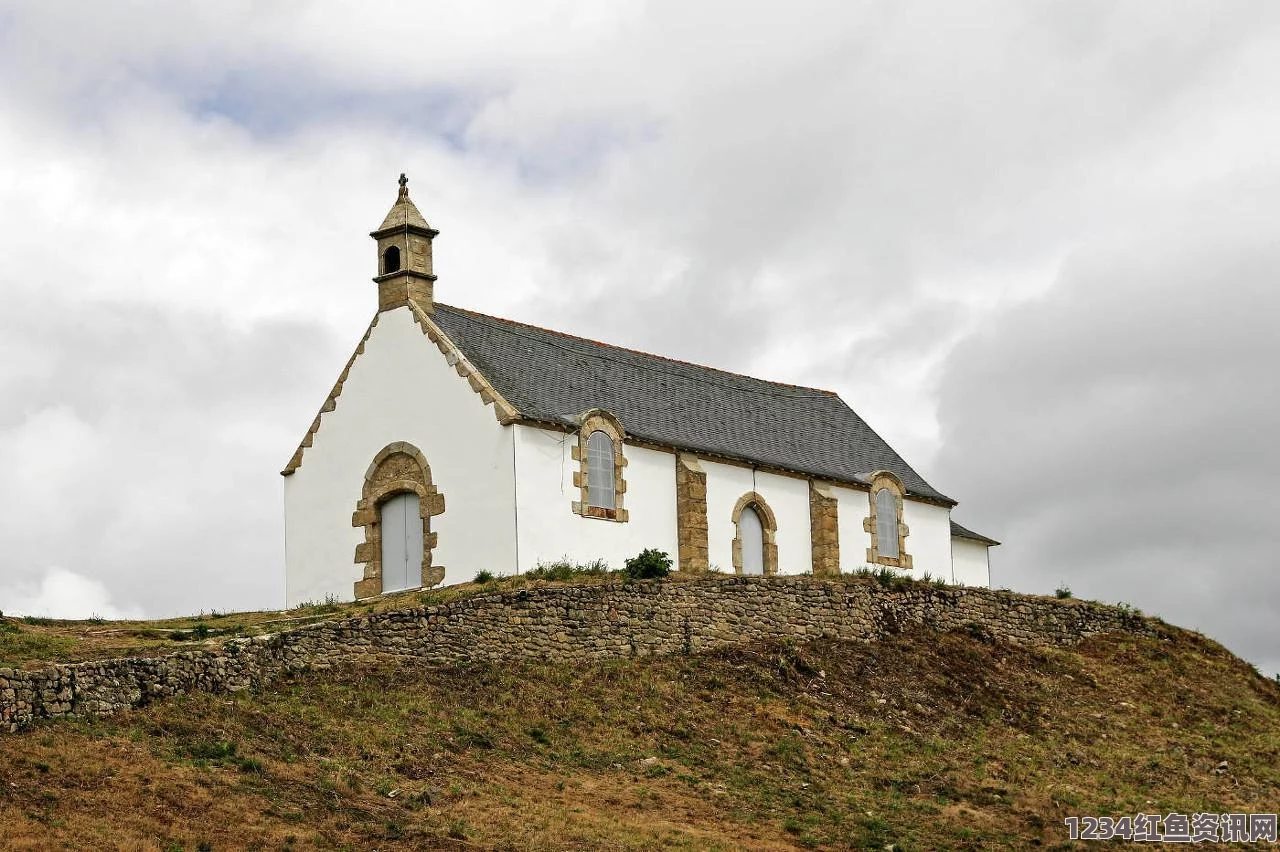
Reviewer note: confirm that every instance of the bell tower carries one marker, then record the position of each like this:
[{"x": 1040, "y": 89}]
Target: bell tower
[{"x": 404, "y": 255}]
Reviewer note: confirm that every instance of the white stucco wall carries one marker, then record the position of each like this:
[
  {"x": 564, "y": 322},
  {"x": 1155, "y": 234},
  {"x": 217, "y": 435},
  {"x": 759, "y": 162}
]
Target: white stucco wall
[
  {"x": 549, "y": 529},
  {"x": 787, "y": 496},
  {"x": 929, "y": 541},
  {"x": 969, "y": 560},
  {"x": 401, "y": 389},
  {"x": 852, "y": 507}
]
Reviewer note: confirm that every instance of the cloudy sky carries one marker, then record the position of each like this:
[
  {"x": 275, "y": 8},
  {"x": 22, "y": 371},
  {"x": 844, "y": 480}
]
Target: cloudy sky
[{"x": 1034, "y": 244}]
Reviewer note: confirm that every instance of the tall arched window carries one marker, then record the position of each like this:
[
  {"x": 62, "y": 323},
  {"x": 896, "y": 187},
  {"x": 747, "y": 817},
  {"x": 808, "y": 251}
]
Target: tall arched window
[
  {"x": 391, "y": 260},
  {"x": 887, "y": 523},
  {"x": 600, "y": 471},
  {"x": 755, "y": 541},
  {"x": 598, "y": 479},
  {"x": 884, "y": 521},
  {"x": 752, "y": 533}
]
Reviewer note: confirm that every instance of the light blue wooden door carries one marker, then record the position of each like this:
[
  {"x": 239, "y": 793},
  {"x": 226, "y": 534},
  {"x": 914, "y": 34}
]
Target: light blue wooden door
[
  {"x": 752, "y": 541},
  {"x": 401, "y": 543}
]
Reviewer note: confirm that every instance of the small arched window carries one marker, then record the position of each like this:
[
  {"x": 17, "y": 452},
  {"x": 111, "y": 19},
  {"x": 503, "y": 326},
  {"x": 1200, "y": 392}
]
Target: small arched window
[
  {"x": 391, "y": 260},
  {"x": 600, "y": 471},
  {"x": 598, "y": 481},
  {"x": 887, "y": 523},
  {"x": 755, "y": 540},
  {"x": 751, "y": 532}
]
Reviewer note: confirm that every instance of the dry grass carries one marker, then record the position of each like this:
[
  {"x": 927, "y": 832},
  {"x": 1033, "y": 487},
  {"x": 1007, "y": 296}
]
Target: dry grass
[{"x": 925, "y": 741}]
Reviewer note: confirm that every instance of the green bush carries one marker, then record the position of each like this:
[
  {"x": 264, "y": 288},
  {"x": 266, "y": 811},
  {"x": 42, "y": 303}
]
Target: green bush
[
  {"x": 648, "y": 564},
  {"x": 484, "y": 577},
  {"x": 1062, "y": 591}
]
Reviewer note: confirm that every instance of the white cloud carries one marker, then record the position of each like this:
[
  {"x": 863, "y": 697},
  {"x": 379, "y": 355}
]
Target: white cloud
[{"x": 63, "y": 594}]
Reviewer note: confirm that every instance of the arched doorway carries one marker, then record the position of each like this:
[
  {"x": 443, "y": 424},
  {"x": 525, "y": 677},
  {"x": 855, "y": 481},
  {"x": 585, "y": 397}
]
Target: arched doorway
[
  {"x": 401, "y": 519},
  {"x": 397, "y": 502}
]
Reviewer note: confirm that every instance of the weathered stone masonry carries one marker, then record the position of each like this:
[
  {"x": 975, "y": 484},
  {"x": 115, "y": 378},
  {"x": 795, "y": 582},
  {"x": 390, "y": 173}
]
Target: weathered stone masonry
[
  {"x": 562, "y": 624},
  {"x": 691, "y": 514}
]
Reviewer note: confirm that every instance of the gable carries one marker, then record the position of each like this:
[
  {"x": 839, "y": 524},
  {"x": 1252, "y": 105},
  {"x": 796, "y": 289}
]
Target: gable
[
  {"x": 452, "y": 355},
  {"x": 552, "y": 378}
]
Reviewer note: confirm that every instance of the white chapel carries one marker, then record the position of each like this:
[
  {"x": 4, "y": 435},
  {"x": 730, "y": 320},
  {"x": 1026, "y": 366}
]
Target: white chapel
[{"x": 455, "y": 442}]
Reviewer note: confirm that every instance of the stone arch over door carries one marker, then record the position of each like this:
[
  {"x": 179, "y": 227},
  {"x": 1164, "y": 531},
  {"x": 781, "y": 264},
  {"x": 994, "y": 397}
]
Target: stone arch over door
[
  {"x": 769, "y": 525},
  {"x": 398, "y": 468}
]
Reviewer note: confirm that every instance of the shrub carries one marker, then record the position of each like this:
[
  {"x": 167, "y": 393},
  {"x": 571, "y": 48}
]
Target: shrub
[
  {"x": 484, "y": 577},
  {"x": 892, "y": 580},
  {"x": 648, "y": 564},
  {"x": 1062, "y": 591},
  {"x": 564, "y": 569}
]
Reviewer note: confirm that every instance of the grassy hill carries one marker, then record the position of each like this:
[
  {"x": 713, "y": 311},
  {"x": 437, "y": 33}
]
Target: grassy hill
[{"x": 923, "y": 741}]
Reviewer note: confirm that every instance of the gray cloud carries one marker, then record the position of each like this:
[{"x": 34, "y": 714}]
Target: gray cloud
[{"x": 1118, "y": 433}]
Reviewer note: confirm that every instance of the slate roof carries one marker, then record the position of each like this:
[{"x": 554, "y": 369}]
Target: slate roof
[
  {"x": 553, "y": 377},
  {"x": 958, "y": 531}
]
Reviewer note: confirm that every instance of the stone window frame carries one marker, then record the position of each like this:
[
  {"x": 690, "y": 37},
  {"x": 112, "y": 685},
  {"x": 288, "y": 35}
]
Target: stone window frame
[
  {"x": 769, "y": 529},
  {"x": 387, "y": 476},
  {"x": 589, "y": 422},
  {"x": 883, "y": 480}
]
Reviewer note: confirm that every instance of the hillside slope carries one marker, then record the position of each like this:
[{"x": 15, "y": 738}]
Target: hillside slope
[{"x": 925, "y": 741}]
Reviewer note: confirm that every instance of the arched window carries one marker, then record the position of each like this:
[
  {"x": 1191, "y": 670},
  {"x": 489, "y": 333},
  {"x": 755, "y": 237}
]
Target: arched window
[
  {"x": 391, "y": 260},
  {"x": 752, "y": 533},
  {"x": 884, "y": 521},
  {"x": 755, "y": 542},
  {"x": 887, "y": 523},
  {"x": 600, "y": 471},
  {"x": 598, "y": 479}
]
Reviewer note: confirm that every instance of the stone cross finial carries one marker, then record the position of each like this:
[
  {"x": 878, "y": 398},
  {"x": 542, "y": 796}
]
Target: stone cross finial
[{"x": 404, "y": 186}]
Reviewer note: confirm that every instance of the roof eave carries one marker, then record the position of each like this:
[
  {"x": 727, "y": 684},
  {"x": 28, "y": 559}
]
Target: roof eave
[{"x": 713, "y": 455}]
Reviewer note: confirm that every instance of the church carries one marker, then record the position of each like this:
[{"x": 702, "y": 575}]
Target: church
[{"x": 454, "y": 442}]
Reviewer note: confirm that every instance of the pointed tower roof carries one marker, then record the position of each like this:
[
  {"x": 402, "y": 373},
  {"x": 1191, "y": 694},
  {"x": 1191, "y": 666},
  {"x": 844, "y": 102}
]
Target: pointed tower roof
[{"x": 403, "y": 212}]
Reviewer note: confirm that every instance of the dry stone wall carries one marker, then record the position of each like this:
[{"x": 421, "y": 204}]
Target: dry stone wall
[{"x": 563, "y": 624}]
